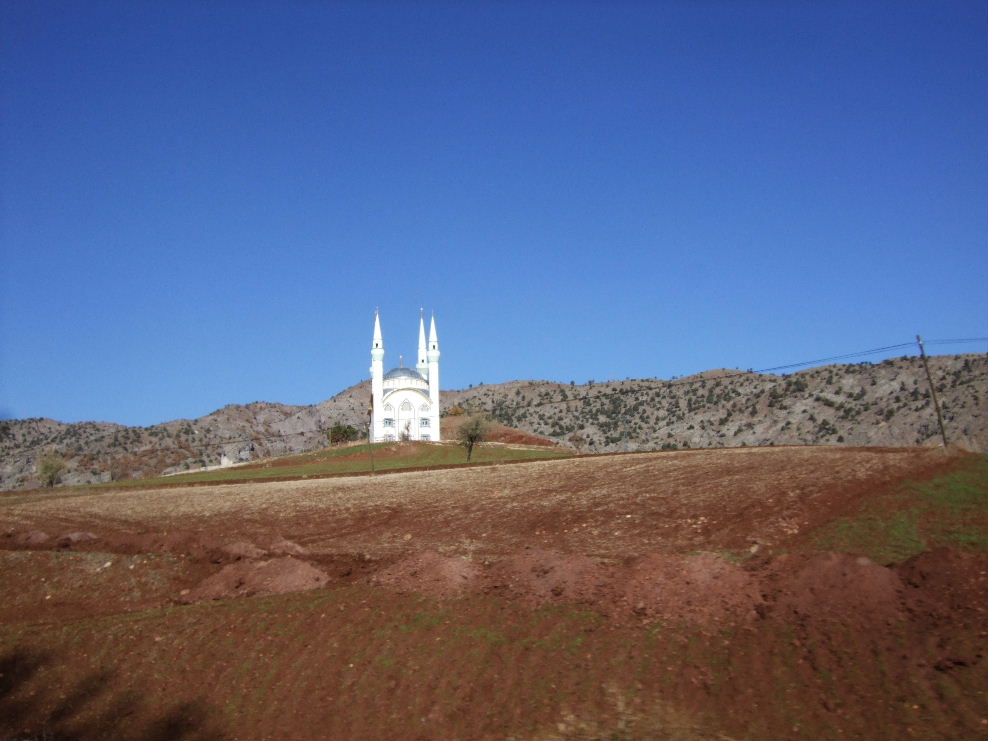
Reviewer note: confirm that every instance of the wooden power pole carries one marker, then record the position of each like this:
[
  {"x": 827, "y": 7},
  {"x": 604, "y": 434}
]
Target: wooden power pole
[{"x": 933, "y": 390}]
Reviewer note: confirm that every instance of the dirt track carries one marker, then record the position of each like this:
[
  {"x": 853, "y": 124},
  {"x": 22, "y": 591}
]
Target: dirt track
[{"x": 800, "y": 645}]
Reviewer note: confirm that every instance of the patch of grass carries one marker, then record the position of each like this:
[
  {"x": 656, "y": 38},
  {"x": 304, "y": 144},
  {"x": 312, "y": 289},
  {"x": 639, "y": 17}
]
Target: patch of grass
[
  {"x": 949, "y": 510},
  {"x": 424, "y": 620},
  {"x": 883, "y": 537},
  {"x": 959, "y": 490},
  {"x": 353, "y": 460}
]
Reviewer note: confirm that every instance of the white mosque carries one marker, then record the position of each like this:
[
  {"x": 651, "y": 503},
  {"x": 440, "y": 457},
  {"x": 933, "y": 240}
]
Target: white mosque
[{"x": 405, "y": 401}]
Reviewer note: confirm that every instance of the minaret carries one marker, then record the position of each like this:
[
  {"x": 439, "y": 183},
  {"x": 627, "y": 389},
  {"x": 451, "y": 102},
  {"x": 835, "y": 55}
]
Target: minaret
[
  {"x": 423, "y": 365},
  {"x": 433, "y": 356},
  {"x": 377, "y": 380}
]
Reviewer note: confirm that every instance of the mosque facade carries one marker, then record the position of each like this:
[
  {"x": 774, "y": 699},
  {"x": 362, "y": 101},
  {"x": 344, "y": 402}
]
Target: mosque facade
[{"x": 405, "y": 401}]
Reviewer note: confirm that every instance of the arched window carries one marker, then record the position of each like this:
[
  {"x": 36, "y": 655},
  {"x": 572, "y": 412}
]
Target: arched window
[{"x": 406, "y": 406}]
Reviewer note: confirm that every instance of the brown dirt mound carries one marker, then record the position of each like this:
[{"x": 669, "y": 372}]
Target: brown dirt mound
[
  {"x": 27, "y": 538},
  {"x": 511, "y": 436},
  {"x": 537, "y": 577},
  {"x": 284, "y": 547},
  {"x": 944, "y": 596},
  {"x": 247, "y": 578},
  {"x": 702, "y": 588},
  {"x": 942, "y": 582},
  {"x": 838, "y": 587},
  {"x": 498, "y": 434},
  {"x": 243, "y": 549},
  {"x": 431, "y": 574},
  {"x": 67, "y": 540},
  {"x": 196, "y": 545},
  {"x": 180, "y": 542}
]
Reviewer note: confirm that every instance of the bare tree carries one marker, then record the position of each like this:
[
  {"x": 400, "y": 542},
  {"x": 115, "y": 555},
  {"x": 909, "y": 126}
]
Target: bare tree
[
  {"x": 577, "y": 441},
  {"x": 51, "y": 466},
  {"x": 474, "y": 429}
]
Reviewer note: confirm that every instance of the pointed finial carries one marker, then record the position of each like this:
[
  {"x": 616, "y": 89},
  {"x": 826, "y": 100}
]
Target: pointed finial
[
  {"x": 433, "y": 337},
  {"x": 378, "y": 343}
]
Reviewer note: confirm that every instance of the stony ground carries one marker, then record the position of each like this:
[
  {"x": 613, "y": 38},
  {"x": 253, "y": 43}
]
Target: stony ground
[{"x": 653, "y": 595}]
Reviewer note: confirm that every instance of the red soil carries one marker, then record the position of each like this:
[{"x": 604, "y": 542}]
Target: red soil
[
  {"x": 250, "y": 577},
  {"x": 580, "y": 577},
  {"x": 498, "y": 434}
]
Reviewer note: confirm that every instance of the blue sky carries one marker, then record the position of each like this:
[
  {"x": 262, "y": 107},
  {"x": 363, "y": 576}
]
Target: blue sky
[{"x": 203, "y": 203}]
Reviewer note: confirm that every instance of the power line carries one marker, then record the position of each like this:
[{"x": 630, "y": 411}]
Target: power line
[
  {"x": 961, "y": 341},
  {"x": 859, "y": 354},
  {"x": 689, "y": 381}
]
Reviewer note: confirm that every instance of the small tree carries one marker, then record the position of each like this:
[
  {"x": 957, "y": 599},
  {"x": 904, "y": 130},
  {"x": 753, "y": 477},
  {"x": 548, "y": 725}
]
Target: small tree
[
  {"x": 474, "y": 429},
  {"x": 51, "y": 466},
  {"x": 577, "y": 441},
  {"x": 341, "y": 433}
]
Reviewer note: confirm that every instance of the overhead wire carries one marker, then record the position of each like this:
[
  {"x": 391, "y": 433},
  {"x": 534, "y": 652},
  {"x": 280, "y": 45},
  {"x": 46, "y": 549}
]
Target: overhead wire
[{"x": 663, "y": 385}]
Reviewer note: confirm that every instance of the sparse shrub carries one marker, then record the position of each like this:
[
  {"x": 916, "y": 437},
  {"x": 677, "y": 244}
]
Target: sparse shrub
[
  {"x": 341, "y": 433},
  {"x": 51, "y": 466}
]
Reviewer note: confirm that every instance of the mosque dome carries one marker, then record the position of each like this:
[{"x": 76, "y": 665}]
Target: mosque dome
[{"x": 403, "y": 373}]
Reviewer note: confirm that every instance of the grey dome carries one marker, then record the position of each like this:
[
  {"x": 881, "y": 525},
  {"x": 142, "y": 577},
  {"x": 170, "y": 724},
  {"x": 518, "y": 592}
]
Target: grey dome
[{"x": 403, "y": 373}]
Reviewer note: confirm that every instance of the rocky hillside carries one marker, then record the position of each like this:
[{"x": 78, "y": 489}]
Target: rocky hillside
[
  {"x": 99, "y": 451},
  {"x": 885, "y": 403}
]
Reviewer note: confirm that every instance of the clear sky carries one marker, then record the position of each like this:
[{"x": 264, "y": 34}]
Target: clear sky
[{"x": 203, "y": 203}]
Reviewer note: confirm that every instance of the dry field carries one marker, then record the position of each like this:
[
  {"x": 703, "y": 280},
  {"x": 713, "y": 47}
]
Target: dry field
[{"x": 691, "y": 594}]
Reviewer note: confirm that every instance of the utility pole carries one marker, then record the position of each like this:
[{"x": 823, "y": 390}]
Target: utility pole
[
  {"x": 933, "y": 391},
  {"x": 370, "y": 430}
]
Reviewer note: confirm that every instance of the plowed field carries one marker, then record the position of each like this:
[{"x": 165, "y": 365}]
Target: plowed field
[{"x": 744, "y": 593}]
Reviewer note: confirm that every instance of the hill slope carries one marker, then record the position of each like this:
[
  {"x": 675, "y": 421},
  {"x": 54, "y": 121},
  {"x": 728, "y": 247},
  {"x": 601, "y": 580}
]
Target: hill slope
[
  {"x": 887, "y": 403},
  {"x": 862, "y": 404}
]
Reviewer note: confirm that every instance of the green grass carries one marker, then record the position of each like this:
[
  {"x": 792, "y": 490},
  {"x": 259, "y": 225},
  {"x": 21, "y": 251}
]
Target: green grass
[
  {"x": 949, "y": 510},
  {"x": 355, "y": 460}
]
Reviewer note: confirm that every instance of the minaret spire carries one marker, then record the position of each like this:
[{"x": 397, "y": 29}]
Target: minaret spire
[
  {"x": 433, "y": 355},
  {"x": 377, "y": 380},
  {"x": 433, "y": 337},
  {"x": 423, "y": 364},
  {"x": 378, "y": 343}
]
